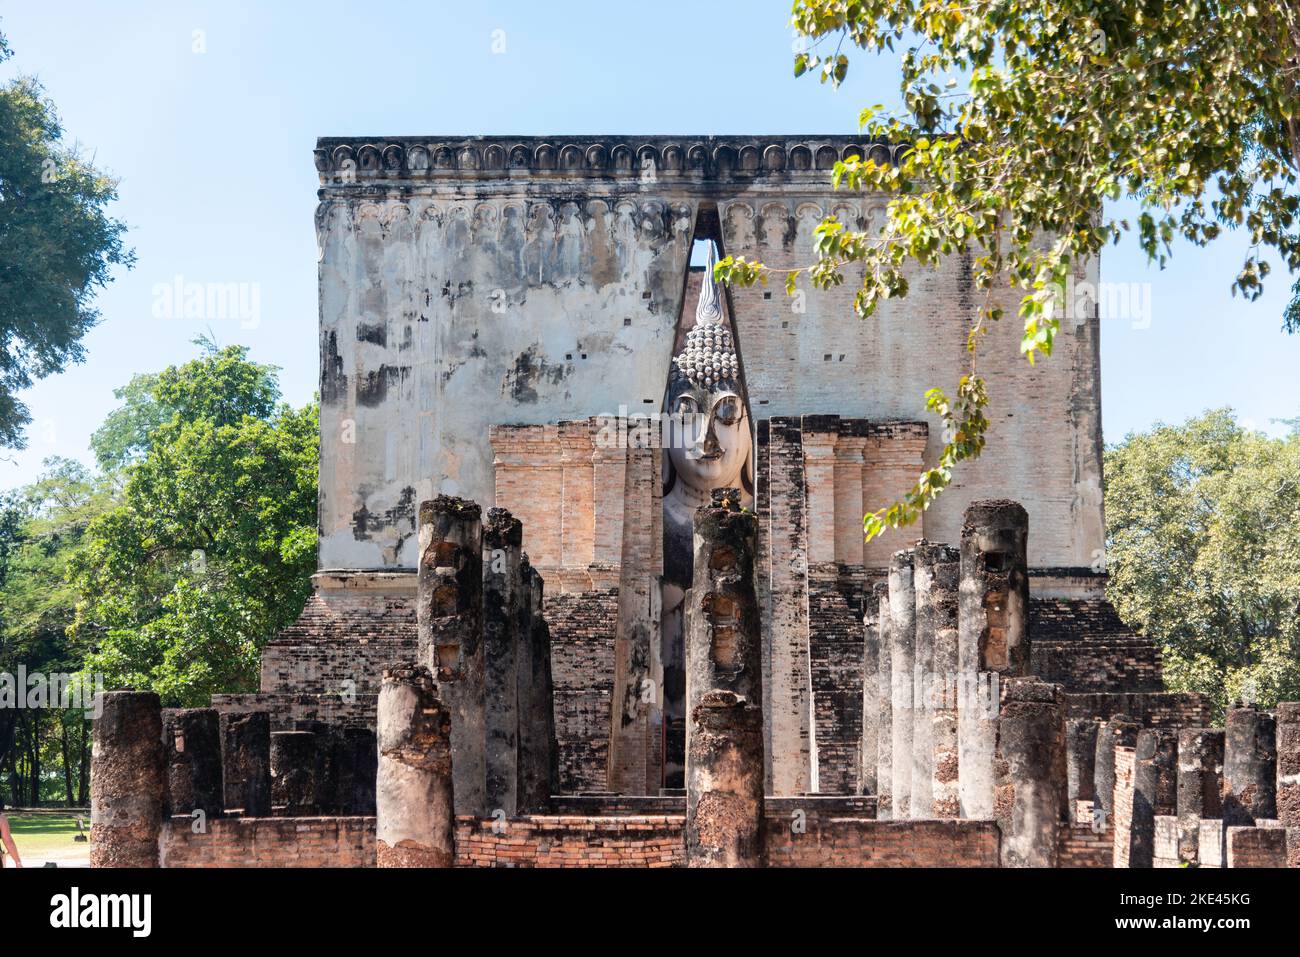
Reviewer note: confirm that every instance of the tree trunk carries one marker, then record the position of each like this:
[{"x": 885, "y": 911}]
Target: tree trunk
[
  {"x": 67, "y": 761},
  {"x": 83, "y": 768},
  {"x": 35, "y": 766}
]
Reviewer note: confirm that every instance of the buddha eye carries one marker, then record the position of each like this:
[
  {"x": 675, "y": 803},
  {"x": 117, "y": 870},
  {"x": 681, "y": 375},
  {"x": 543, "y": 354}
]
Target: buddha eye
[
  {"x": 686, "y": 405},
  {"x": 727, "y": 410}
]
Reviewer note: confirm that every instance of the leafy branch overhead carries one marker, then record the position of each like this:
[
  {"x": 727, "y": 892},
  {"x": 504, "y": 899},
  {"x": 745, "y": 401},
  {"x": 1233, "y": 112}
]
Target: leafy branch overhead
[
  {"x": 1022, "y": 119},
  {"x": 57, "y": 247}
]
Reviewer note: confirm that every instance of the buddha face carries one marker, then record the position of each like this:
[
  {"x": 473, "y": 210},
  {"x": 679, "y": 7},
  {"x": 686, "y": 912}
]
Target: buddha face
[{"x": 711, "y": 439}]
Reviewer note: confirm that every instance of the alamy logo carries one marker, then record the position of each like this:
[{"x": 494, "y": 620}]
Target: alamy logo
[
  {"x": 36, "y": 690},
  {"x": 74, "y": 909},
  {"x": 210, "y": 301}
]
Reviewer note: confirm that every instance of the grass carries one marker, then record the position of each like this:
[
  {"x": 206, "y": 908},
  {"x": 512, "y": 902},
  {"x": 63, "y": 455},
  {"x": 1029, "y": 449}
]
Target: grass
[{"x": 47, "y": 837}]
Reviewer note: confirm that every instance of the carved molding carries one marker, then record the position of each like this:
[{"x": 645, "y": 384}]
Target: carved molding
[{"x": 344, "y": 161}]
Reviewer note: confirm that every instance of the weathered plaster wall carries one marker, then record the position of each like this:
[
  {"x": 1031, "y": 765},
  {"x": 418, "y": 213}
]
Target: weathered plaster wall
[
  {"x": 442, "y": 316},
  {"x": 497, "y": 280}
]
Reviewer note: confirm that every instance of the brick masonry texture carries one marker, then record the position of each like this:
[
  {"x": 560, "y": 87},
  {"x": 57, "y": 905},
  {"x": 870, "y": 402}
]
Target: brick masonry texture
[
  {"x": 581, "y": 841},
  {"x": 271, "y": 842},
  {"x": 1081, "y": 846},
  {"x": 582, "y": 662},
  {"x": 1257, "y": 846},
  {"x": 1122, "y": 817},
  {"x": 347, "y": 637},
  {"x": 857, "y": 842},
  {"x": 1153, "y": 709},
  {"x": 835, "y": 651}
]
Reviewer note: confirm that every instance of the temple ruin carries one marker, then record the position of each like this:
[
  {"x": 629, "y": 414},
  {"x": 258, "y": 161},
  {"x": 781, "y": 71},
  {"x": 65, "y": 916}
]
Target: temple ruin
[{"x": 592, "y": 587}]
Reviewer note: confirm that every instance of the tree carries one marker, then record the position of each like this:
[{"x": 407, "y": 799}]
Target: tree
[
  {"x": 41, "y": 528},
  {"x": 57, "y": 246},
  {"x": 1203, "y": 526},
  {"x": 1190, "y": 111},
  {"x": 224, "y": 388},
  {"x": 211, "y": 548}
]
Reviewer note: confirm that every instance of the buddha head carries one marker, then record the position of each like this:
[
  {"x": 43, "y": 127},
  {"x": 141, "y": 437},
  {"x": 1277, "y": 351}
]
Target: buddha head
[{"x": 711, "y": 436}]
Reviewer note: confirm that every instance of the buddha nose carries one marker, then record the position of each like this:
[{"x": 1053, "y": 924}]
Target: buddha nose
[{"x": 711, "y": 444}]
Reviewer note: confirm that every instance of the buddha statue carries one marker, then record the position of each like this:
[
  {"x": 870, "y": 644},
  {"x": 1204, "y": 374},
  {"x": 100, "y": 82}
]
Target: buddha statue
[{"x": 710, "y": 446}]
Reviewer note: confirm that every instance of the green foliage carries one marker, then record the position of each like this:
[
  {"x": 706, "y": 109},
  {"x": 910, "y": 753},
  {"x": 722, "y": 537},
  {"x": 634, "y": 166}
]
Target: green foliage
[
  {"x": 41, "y": 528},
  {"x": 210, "y": 550},
  {"x": 222, "y": 387},
  {"x": 57, "y": 247},
  {"x": 1203, "y": 526},
  {"x": 1291, "y": 316},
  {"x": 1189, "y": 110}
]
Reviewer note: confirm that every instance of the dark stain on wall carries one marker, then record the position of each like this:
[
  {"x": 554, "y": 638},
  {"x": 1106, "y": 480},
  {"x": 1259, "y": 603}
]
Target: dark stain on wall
[
  {"x": 373, "y": 389},
  {"x": 401, "y": 517},
  {"x": 376, "y": 334},
  {"x": 529, "y": 370},
  {"x": 333, "y": 381}
]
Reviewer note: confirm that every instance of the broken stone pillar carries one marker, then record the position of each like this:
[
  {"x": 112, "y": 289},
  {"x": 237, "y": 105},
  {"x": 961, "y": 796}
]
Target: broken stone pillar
[
  {"x": 1249, "y": 766},
  {"x": 1288, "y": 764},
  {"x": 635, "y": 763},
  {"x": 449, "y": 627},
  {"x": 127, "y": 780},
  {"x": 294, "y": 772},
  {"x": 884, "y": 708},
  {"x": 1080, "y": 763},
  {"x": 356, "y": 762},
  {"x": 538, "y": 753},
  {"x": 791, "y": 730},
  {"x": 246, "y": 762},
  {"x": 993, "y": 641},
  {"x": 724, "y": 691},
  {"x": 503, "y": 537},
  {"x": 1120, "y": 731},
  {"x": 902, "y": 649},
  {"x": 415, "y": 814},
  {"x": 1200, "y": 780},
  {"x": 926, "y": 555},
  {"x": 1155, "y": 788},
  {"x": 192, "y": 748},
  {"x": 1030, "y": 799},
  {"x": 724, "y": 793},
  {"x": 945, "y": 578},
  {"x": 868, "y": 759}
]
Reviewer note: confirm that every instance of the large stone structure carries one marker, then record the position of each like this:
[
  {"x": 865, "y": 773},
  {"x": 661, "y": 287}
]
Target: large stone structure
[
  {"x": 514, "y": 328},
  {"x": 534, "y": 292}
]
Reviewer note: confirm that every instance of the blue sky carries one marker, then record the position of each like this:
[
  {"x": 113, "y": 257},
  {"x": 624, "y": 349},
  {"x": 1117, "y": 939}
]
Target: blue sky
[{"x": 213, "y": 150}]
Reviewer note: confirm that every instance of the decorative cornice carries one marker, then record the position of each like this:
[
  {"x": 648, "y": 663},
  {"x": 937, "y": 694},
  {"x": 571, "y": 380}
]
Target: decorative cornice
[{"x": 344, "y": 161}]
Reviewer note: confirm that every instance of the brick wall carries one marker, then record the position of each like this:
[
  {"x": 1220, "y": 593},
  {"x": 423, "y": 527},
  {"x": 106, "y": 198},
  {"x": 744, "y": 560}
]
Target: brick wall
[
  {"x": 1102, "y": 664},
  {"x": 835, "y": 652},
  {"x": 1155, "y": 709},
  {"x": 572, "y": 842},
  {"x": 1080, "y": 846},
  {"x": 271, "y": 842},
  {"x": 860, "y": 842},
  {"x": 582, "y": 668},
  {"x": 335, "y": 665},
  {"x": 1121, "y": 824},
  {"x": 1257, "y": 846},
  {"x": 820, "y": 836},
  {"x": 355, "y": 711}
]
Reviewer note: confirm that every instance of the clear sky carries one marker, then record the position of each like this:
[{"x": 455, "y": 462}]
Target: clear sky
[{"x": 213, "y": 150}]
